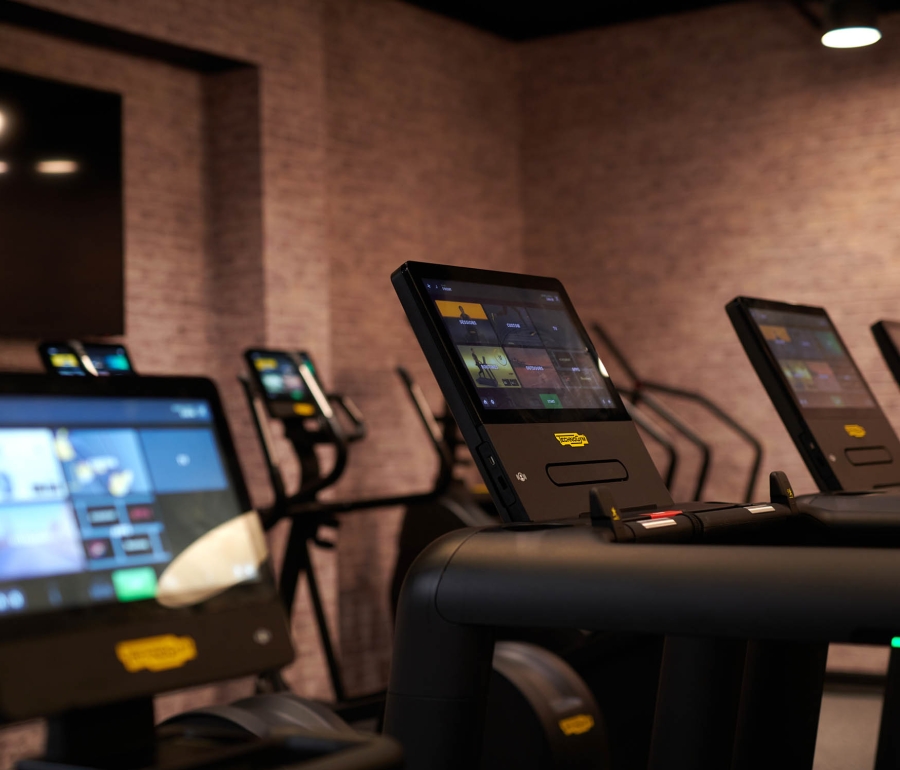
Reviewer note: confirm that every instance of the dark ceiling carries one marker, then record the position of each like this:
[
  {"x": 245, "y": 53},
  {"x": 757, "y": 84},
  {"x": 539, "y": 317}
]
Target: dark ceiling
[{"x": 526, "y": 20}]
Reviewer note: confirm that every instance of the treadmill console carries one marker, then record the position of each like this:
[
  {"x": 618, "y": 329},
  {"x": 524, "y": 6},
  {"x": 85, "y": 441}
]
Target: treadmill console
[
  {"x": 820, "y": 394},
  {"x": 533, "y": 400},
  {"x": 131, "y": 561}
]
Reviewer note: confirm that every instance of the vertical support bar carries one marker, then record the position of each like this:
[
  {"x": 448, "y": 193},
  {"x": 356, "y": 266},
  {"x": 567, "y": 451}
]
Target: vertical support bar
[
  {"x": 888, "y": 756},
  {"x": 779, "y": 715},
  {"x": 697, "y": 704}
]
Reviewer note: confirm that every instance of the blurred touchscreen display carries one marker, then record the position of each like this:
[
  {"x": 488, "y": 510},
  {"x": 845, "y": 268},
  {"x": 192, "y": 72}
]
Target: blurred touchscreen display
[
  {"x": 116, "y": 499},
  {"x": 812, "y": 359},
  {"x": 108, "y": 360},
  {"x": 81, "y": 359},
  {"x": 278, "y": 374}
]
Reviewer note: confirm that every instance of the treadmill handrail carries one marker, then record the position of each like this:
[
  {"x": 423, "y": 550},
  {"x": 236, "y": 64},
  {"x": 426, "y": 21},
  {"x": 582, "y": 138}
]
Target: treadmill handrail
[
  {"x": 725, "y": 418},
  {"x": 639, "y": 384},
  {"x": 640, "y": 398},
  {"x": 653, "y": 432},
  {"x": 472, "y": 581}
]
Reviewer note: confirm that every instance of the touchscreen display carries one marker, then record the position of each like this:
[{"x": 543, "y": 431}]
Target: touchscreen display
[
  {"x": 65, "y": 361},
  {"x": 812, "y": 359},
  {"x": 278, "y": 374},
  {"x": 108, "y": 360},
  {"x": 520, "y": 347},
  {"x": 113, "y": 499}
]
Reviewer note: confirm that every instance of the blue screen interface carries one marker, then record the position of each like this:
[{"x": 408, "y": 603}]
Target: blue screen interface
[{"x": 99, "y": 494}]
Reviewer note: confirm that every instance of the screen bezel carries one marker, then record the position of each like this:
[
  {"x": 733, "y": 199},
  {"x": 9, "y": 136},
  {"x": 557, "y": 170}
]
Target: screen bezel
[
  {"x": 89, "y": 616},
  {"x": 809, "y": 413},
  {"x": 419, "y": 272}
]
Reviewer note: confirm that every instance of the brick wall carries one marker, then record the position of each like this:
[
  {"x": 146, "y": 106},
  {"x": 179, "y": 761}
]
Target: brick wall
[
  {"x": 422, "y": 164},
  {"x": 673, "y": 164}
]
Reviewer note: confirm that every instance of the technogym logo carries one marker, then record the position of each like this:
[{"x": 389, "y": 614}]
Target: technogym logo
[
  {"x": 855, "y": 431},
  {"x": 571, "y": 439}
]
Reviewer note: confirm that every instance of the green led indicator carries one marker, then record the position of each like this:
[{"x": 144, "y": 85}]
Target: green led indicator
[{"x": 895, "y": 642}]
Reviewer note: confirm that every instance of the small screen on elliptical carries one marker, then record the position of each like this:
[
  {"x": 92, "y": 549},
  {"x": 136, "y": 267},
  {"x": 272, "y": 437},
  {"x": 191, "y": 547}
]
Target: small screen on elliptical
[{"x": 278, "y": 378}]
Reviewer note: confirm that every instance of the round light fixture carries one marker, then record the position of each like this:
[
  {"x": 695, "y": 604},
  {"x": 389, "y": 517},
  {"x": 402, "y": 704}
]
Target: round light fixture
[
  {"x": 57, "y": 166},
  {"x": 850, "y": 24}
]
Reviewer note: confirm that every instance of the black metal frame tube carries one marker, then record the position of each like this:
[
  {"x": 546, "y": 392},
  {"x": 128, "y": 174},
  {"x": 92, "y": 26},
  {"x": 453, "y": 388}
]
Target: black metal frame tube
[
  {"x": 697, "y": 704},
  {"x": 473, "y": 581},
  {"x": 780, "y": 704}
]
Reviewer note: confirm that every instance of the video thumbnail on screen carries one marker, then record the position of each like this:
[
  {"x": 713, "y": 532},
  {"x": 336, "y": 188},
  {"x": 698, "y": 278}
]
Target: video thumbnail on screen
[{"x": 489, "y": 366}]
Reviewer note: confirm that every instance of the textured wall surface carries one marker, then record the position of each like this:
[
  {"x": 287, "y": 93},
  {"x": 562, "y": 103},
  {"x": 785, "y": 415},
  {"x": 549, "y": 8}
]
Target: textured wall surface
[
  {"x": 671, "y": 165},
  {"x": 422, "y": 165}
]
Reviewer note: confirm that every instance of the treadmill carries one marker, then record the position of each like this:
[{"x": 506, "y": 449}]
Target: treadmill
[
  {"x": 847, "y": 443},
  {"x": 844, "y": 438},
  {"x": 563, "y": 459}
]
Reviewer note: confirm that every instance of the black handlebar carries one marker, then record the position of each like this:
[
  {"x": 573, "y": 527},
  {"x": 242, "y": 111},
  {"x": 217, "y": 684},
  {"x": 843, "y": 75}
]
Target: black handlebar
[{"x": 639, "y": 388}]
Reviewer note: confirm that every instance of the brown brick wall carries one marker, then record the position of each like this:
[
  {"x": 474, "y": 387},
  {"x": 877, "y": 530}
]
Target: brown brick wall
[
  {"x": 672, "y": 164},
  {"x": 422, "y": 164}
]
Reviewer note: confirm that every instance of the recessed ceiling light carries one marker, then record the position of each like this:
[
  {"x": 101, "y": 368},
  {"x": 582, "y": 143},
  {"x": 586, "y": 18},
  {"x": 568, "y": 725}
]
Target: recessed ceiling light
[
  {"x": 851, "y": 37},
  {"x": 57, "y": 166},
  {"x": 850, "y": 24}
]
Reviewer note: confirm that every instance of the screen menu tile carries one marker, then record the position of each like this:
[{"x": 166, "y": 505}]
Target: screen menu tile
[
  {"x": 520, "y": 347},
  {"x": 812, "y": 359}
]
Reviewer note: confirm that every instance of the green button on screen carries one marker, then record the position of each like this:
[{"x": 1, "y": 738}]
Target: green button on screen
[
  {"x": 551, "y": 401},
  {"x": 134, "y": 584}
]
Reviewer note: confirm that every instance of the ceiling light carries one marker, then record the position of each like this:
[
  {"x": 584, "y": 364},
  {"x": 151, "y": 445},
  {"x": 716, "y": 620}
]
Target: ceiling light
[
  {"x": 4, "y": 166},
  {"x": 850, "y": 24},
  {"x": 2, "y": 122},
  {"x": 57, "y": 167}
]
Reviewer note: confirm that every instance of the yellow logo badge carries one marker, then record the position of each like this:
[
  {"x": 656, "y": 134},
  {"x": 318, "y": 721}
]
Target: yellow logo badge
[
  {"x": 304, "y": 410},
  {"x": 576, "y": 725},
  {"x": 571, "y": 439},
  {"x": 856, "y": 431},
  {"x": 156, "y": 653}
]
